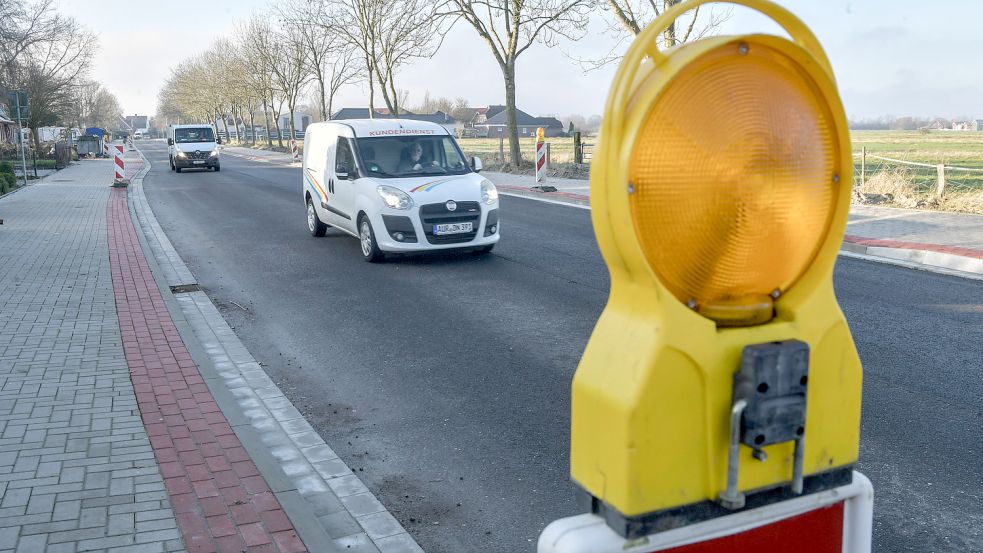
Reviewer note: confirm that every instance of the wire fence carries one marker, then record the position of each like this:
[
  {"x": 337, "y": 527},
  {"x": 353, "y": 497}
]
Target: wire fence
[{"x": 916, "y": 183}]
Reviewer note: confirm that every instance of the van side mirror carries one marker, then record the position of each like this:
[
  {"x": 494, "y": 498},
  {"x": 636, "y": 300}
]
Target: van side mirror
[
  {"x": 476, "y": 164},
  {"x": 218, "y": 139},
  {"x": 170, "y": 141},
  {"x": 341, "y": 171}
]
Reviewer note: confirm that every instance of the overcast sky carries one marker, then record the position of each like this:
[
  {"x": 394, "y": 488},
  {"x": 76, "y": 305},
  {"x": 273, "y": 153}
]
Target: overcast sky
[{"x": 890, "y": 56}]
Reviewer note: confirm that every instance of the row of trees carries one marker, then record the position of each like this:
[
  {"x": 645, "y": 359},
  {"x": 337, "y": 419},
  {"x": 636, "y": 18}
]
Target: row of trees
[
  {"x": 48, "y": 56},
  {"x": 326, "y": 44}
]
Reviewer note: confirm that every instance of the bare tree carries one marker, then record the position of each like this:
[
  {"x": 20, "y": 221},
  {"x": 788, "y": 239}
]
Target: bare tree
[
  {"x": 632, "y": 16},
  {"x": 387, "y": 34},
  {"x": 510, "y": 27}
]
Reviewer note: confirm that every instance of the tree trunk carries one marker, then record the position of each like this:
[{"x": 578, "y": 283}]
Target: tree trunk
[
  {"x": 368, "y": 68},
  {"x": 508, "y": 71},
  {"x": 669, "y": 36},
  {"x": 252, "y": 127},
  {"x": 276, "y": 124},
  {"x": 392, "y": 90},
  {"x": 293, "y": 131},
  {"x": 225, "y": 123},
  {"x": 266, "y": 115},
  {"x": 325, "y": 115}
]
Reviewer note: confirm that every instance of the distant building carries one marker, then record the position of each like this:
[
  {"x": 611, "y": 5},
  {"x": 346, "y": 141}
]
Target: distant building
[
  {"x": 497, "y": 124},
  {"x": 8, "y": 128},
  {"x": 452, "y": 125},
  {"x": 137, "y": 122}
]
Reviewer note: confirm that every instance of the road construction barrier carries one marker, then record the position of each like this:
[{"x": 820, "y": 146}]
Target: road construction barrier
[
  {"x": 120, "y": 172},
  {"x": 105, "y": 146},
  {"x": 834, "y": 521},
  {"x": 540, "y": 155},
  {"x": 294, "y": 149},
  {"x": 129, "y": 144}
]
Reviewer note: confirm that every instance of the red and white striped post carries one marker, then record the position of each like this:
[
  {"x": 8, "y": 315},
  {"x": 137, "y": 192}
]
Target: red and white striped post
[
  {"x": 105, "y": 145},
  {"x": 129, "y": 144},
  {"x": 120, "y": 172},
  {"x": 294, "y": 149},
  {"x": 540, "y": 154}
]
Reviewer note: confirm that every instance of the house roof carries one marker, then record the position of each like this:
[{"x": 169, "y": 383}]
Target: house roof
[
  {"x": 523, "y": 118},
  {"x": 363, "y": 113},
  {"x": 492, "y": 111}
]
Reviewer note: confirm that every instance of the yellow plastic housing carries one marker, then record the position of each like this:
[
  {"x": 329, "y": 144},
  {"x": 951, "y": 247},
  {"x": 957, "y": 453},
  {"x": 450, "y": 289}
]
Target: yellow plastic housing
[
  {"x": 733, "y": 180},
  {"x": 722, "y": 194}
]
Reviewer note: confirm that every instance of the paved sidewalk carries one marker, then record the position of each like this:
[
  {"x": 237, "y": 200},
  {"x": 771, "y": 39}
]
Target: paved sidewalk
[
  {"x": 110, "y": 439},
  {"x": 77, "y": 471}
]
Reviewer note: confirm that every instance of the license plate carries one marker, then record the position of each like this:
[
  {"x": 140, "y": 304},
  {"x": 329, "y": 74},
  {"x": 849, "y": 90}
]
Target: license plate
[
  {"x": 453, "y": 228},
  {"x": 199, "y": 162}
]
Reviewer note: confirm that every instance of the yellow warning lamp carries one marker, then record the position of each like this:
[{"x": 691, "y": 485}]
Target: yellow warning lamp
[{"x": 722, "y": 373}]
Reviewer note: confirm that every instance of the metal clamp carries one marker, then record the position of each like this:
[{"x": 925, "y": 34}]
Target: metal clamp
[{"x": 769, "y": 408}]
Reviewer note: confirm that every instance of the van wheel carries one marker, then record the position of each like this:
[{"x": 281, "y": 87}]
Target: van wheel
[
  {"x": 314, "y": 223},
  {"x": 218, "y": 168},
  {"x": 170, "y": 160},
  {"x": 176, "y": 168},
  {"x": 370, "y": 248}
]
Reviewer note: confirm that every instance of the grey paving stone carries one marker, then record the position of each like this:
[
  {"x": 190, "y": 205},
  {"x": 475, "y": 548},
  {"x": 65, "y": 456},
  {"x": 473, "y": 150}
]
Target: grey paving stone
[
  {"x": 380, "y": 525},
  {"x": 339, "y": 525}
]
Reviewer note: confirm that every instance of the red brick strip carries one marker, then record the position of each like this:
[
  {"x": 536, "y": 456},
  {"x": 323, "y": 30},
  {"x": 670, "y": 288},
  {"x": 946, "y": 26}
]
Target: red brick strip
[
  {"x": 220, "y": 500},
  {"x": 878, "y": 243}
]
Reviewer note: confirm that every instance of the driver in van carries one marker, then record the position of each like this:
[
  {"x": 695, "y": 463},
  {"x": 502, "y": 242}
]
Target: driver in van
[{"x": 412, "y": 159}]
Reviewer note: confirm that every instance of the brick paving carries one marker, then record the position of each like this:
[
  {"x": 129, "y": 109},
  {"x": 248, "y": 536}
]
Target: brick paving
[
  {"x": 221, "y": 501},
  {"x": 77, "y": 471}
]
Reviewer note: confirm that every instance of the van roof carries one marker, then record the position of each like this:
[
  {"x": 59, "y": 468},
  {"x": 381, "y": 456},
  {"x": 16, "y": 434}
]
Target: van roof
[
  {"x": 385, "y": 127},
  {"x": 191, "y": 126}
]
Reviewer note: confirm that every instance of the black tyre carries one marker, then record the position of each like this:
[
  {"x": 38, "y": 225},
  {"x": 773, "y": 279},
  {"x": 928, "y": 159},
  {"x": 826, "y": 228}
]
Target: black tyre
[
  {"x": 314, "y": 223},
  {"x": 176, "y": 168},
  {"x": 218, "y": 168},
  {"x": 170, "y": 160},
  {"x": 366, "y": 236}
]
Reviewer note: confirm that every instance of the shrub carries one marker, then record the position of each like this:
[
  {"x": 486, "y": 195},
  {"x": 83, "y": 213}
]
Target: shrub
[
  {"x": 6, "y": 167},
  {"x": 9, "y": 181}
]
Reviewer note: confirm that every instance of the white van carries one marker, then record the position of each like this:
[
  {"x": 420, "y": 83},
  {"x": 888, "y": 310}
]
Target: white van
[
  {"x": 398, "y": 186},
  {"x": 193, "y": 146}
]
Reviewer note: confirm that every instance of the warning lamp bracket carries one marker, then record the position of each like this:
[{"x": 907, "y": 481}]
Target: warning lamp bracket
[{"x": 769, "y": 408}]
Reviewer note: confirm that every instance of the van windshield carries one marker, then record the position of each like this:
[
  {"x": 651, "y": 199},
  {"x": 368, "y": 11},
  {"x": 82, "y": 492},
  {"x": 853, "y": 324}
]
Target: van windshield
[
  {"x": 203, "y": 134},
  {"x": 410, "y": 156}
]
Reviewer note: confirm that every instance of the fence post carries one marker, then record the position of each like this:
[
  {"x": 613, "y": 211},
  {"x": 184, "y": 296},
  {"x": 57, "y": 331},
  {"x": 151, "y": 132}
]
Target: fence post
[
  {"x": 501, "y": 149},
  {"x": 578, "y": 152},
  {"x": 940, "y": 191},
  {"x": 863, "y": 165}
]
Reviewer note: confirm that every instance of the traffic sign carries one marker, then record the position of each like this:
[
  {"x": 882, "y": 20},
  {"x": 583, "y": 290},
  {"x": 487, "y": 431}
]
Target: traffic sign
[
  {"x": 19, "y": 105},
  {"x": 721, "y": 376}
]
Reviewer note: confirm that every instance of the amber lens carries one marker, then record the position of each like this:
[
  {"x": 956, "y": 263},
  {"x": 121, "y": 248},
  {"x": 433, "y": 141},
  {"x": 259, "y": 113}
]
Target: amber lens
[{"x": 733, "y": 177}]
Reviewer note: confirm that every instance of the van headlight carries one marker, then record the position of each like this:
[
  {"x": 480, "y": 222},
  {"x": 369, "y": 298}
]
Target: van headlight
[
  {"x": 213, "y": 154},
  {"x": 394, "y": 197},
  {"x": 181, "y": 154},
  {"x": 489, "y": 194}
]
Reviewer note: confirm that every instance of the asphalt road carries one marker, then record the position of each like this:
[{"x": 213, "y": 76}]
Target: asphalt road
[{"x": 444, "y": 380}]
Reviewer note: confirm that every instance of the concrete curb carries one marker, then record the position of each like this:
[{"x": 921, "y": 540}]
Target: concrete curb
[{"x": 330, "y": 507}]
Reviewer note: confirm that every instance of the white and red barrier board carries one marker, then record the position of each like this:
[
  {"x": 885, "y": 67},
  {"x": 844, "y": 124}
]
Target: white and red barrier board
[
  {"x": 540, "y": 160},
  {"x": 118, "y": 163},
  {"x": 835, "y": 521}
]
